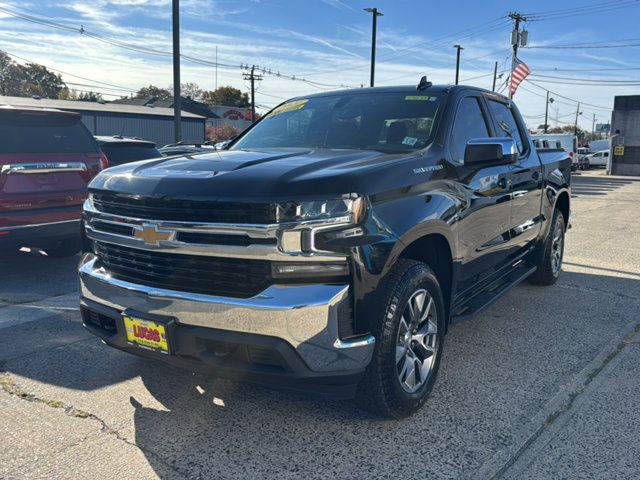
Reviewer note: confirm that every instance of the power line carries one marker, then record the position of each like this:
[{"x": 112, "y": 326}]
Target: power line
[
  {"x": 583, "y": 69},
  {"x": 435, "y": 44},
  {"x": 585, "y": 81},
  {"x": 71, "y": 74},
  {"x": 566, "y": 98},
  {"x": 585, "y": 46},
  {"x": 579, "y": 11},
  {"x": 149, "y": 51}
]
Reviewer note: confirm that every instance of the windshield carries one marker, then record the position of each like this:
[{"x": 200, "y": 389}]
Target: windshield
[{"x": 381, "y": 121}]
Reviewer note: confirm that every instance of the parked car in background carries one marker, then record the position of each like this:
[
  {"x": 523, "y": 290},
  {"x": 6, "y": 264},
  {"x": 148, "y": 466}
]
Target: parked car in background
[
  {"x": 598, "y": 159},
  {"x": 186, "y": 148},
  {"x": 119, "y": 149},
  {"x": 47, "y": 159},
  {"x": 582, "y": 154},
  {"x": 568, "y": 141}
]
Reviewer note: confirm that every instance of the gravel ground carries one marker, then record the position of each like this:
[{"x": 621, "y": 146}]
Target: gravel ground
[{"x": 543, "y": 384}]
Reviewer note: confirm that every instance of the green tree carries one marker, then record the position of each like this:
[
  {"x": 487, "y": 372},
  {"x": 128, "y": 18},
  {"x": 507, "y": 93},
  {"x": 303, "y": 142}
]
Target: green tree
[
  {"x": 154, "y": 92},
  {"x": 9, "y": 76},
  {"x": 38, "y": 80},
  {"x": 190, "y": 90},
  {"x": 26, "y": 80},
  {"x": 90, "y": 97},
  {"x": 228, "y": 96}
]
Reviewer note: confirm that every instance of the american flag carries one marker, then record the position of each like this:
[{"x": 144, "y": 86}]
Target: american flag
[{"x": 520, "y": 72}]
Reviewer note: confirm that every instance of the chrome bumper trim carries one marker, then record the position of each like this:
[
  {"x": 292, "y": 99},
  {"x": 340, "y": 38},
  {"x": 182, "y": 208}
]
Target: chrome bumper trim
[
  {"x": 42, "y": 167},
  {"x": 288, "y": 237},
  {"x": 305, "y": 316}
]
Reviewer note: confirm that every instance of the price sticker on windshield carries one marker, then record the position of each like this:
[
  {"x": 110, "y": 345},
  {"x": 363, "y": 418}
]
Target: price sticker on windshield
[{"x": 290, "y": 107}]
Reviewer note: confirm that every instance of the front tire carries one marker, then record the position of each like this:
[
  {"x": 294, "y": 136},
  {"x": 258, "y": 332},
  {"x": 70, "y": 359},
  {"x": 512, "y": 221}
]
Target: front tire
[
  {"x": 550, "y": 263},
  {"x": 409, "y": 339}
]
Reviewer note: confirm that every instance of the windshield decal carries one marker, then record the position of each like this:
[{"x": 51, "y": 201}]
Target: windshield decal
[
  {"x": 420, "y": 98},
  {"x": 290, "y": 107},
  {"x": 411, "y": 141}
]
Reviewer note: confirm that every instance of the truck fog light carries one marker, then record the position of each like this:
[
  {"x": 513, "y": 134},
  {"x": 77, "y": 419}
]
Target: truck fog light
[{"x": 308, "y": 270}]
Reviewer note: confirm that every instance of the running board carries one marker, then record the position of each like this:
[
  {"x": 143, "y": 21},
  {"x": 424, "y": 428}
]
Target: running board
[{"x": 496, "y": 290}]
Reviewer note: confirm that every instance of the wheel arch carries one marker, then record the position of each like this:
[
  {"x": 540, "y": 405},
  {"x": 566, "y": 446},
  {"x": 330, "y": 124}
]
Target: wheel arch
[
  {"x": 434, "y": 249},
  {"x": 563, "y": 203}
]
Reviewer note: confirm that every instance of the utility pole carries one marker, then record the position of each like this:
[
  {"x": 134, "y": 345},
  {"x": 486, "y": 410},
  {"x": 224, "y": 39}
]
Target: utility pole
[
  {"x": 518, "y": 38},
  {"x": 575, "y": 127},
  {"x": 495, "y": 76},
  {"x": 458, "y": 48},
  {"x": 252, "y": 77},
  {"x": 375, "y": 13},
  {"x": 593, "y": 128},
  {"x": 546, "y": 112},
  {"x": 216, "y": 84},
  {"x": 177, "y": 100}
]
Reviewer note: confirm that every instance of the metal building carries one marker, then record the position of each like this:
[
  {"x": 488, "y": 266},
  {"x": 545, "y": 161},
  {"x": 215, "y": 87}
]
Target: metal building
[
  {"x": 625, "y": 135},
  {"x": 150, "y": 123}
]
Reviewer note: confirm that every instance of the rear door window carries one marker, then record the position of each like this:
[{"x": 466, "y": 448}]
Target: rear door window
[
  {"x": 506, "y": 123},
  {"x": 22, "y": 132}
]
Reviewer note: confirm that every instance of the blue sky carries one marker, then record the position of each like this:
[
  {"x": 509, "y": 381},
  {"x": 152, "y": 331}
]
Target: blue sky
[{"x": 327, "y": 42}]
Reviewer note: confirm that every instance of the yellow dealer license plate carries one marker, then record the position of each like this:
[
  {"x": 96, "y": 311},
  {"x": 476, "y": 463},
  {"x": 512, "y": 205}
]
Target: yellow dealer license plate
[{"x": 146, "y": 334}]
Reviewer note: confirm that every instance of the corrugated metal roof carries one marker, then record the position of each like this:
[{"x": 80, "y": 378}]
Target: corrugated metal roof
[{"x": 92, "y": 106}]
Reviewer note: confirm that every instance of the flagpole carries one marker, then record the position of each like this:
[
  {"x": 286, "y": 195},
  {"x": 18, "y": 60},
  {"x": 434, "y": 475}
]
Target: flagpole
[{"x": 515, "y": 40}]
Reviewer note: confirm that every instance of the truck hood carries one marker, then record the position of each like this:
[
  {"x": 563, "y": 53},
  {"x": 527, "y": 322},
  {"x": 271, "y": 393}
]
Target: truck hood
[{"x": 274, "y": 174}]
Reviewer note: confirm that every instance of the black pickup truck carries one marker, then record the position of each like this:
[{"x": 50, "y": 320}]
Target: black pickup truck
[{"x": 331, "y": 246}]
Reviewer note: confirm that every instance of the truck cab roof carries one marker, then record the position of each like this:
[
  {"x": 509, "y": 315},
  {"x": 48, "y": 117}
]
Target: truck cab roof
[{"x": 406, "y": 89}]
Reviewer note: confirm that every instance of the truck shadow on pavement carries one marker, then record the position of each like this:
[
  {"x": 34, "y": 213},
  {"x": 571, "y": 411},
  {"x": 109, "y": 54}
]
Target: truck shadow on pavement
[
  {"x": 489, "y": 386},
  {"x": 596, "y": 184},
  {"x": 32, "y": 276},
  {"x": 498, "y": 371}
]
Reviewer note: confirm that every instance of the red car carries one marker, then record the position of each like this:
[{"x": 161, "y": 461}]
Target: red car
[{"x": 47, "y": 159}]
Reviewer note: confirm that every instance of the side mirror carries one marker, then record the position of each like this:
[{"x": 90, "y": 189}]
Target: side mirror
[{"x": 485, "y": 152}]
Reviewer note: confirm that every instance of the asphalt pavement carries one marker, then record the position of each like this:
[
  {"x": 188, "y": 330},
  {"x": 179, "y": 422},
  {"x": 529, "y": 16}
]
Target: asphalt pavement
[{"x": 543, "y": 384}]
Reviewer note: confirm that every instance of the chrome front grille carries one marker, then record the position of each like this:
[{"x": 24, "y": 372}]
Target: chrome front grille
[{"x": 183, "y": 210}]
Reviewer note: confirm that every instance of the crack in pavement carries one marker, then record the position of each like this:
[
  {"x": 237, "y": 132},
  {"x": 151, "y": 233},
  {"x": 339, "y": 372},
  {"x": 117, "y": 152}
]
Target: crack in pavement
[
  {"x": 10, "y": 387},
  {"x": 496, "y": 467}
]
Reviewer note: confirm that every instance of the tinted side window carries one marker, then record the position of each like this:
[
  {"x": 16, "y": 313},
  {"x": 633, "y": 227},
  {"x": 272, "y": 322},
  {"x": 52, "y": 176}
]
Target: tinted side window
[
  {"x": 125, "y": 153},
  {"x": 469, "y": 123},
  {"x": 507, "y": 125}
]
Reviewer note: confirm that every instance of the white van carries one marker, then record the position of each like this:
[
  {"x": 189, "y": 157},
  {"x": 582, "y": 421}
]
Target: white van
[{"x": 568, "y": 141}]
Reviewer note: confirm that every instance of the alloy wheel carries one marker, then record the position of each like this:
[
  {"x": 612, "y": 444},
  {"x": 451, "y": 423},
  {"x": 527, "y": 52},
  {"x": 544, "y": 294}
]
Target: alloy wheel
[
  {"x": 557, "y": 247},
  {"x": 417, "y": 341}
]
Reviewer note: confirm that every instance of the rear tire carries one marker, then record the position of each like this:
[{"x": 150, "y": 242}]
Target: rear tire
[
  {"x": 64, "y": 248},
  {"x": 409, "y": 334},
  {"x": 550, "y": 263}
]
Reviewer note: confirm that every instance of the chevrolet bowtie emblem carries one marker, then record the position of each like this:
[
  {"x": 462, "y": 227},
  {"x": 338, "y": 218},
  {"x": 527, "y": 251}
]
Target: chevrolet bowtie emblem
[{"x": 153, "y": 235}]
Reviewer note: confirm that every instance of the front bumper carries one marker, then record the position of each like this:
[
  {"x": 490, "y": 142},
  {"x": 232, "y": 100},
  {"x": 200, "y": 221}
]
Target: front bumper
[{"x": 297, "y": 322}]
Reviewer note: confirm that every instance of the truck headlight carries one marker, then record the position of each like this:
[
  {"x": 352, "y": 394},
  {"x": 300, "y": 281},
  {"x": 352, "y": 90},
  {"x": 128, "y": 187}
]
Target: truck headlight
[{"x": 351, "y": 209}]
